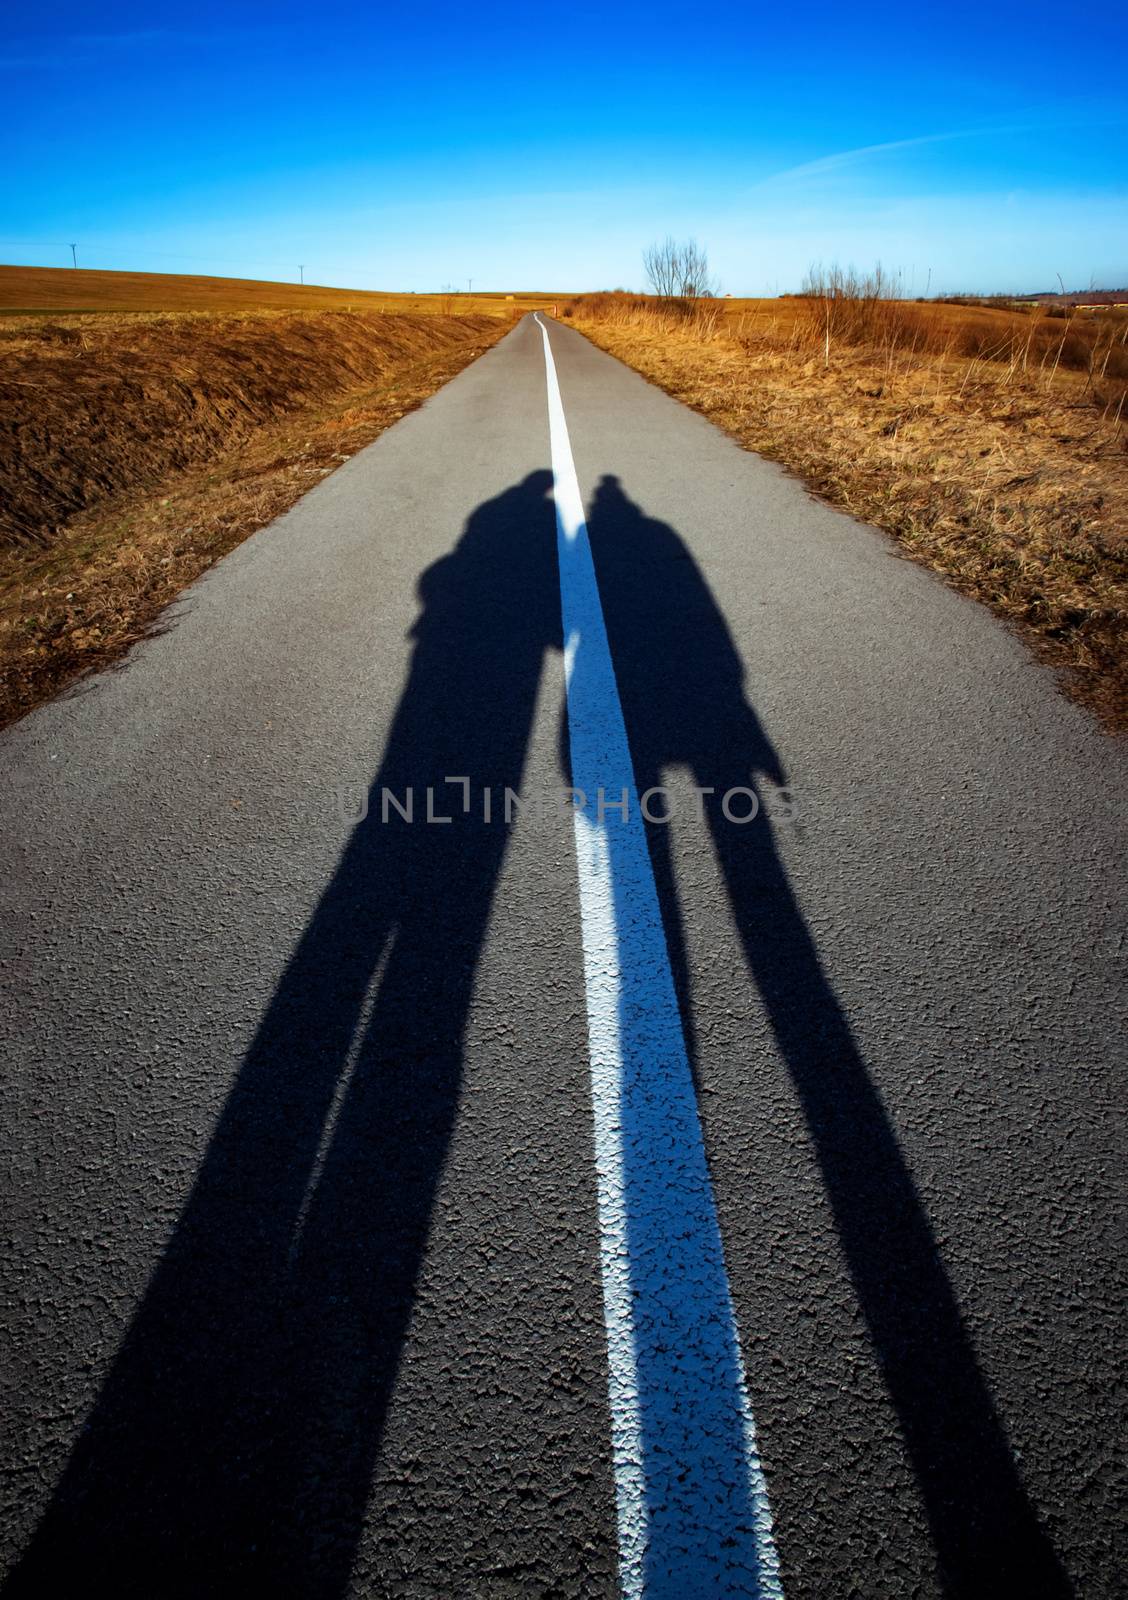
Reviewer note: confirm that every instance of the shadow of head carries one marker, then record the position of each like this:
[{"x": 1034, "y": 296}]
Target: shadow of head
[{"x": 494, "y": 596}]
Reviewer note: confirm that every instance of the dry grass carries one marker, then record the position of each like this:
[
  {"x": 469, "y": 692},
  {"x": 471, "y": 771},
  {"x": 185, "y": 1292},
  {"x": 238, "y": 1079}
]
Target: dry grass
[
  {"x": 1030, "y": 337},
  {"x": 1010, "y": 478},
  {"x": 136, "y": 451}
]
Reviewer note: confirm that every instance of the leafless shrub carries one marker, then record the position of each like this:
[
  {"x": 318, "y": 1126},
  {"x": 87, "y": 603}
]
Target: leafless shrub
[{"x": 849, "y": 308}]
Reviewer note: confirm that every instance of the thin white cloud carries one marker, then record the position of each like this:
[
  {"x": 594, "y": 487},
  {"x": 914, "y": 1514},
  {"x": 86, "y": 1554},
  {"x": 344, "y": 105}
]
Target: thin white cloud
[{"x": 847, "y": 158}]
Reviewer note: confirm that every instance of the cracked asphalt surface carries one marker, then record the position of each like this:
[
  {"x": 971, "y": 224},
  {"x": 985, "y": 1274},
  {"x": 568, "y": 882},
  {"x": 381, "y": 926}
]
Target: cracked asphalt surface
[{"x": 301, "y": 1284}]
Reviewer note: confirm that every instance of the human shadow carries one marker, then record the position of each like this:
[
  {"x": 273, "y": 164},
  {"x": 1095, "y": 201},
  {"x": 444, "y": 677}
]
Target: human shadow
[
  {"x": 232, "y": 1447},
  {"x": 681, "y": 685}
]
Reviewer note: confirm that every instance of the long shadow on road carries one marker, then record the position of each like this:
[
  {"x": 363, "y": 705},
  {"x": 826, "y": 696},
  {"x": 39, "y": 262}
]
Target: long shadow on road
[
  {"x": 681, "y": 684},
  {"x": 232, "y": 1449}
]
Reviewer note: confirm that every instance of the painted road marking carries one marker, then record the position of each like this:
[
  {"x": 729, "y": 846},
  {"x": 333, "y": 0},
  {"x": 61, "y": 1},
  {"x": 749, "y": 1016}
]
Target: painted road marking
[{"x": 693, "y": 1509}]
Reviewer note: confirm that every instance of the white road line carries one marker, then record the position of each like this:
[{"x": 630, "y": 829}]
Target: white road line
[{"x": 693, "y": 1510}]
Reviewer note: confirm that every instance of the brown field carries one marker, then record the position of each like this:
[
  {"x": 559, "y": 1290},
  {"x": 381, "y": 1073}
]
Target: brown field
[
  {"x": 61, "y": 289},
  {"x": 137, "y": 447},
  {"x": 992, "y": 444}
]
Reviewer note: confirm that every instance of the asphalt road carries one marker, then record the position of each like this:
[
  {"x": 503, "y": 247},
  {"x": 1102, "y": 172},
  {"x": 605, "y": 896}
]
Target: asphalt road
[{"x": 308, "y": 1234}]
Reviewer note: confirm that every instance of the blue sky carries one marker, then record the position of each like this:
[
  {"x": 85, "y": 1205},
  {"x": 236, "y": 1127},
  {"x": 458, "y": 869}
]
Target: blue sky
[{"x": 404, "y": 147}]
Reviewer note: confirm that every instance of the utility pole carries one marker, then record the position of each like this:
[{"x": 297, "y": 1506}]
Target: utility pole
[
  {"x": 74, "y": 254},
  {"x": 469, "y": 286},
  {"x": 301, "y": 274}
]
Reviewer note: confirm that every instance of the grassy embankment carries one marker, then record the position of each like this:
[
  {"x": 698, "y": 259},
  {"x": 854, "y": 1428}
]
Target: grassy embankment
[
  {"x": 141, "y": 441},
  {"x": 993, "y": 444}
]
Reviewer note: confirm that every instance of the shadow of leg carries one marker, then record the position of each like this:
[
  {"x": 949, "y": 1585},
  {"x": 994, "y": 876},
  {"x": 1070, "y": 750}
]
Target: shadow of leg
[{"x": 987, "y": 1537}]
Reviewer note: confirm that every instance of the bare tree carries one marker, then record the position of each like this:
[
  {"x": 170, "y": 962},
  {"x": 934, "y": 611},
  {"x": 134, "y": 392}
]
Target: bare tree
[
  {"x": 696, "y": 284},
  {"x": 678, "y": 270},
  {"x": 662, "y": 264}
]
